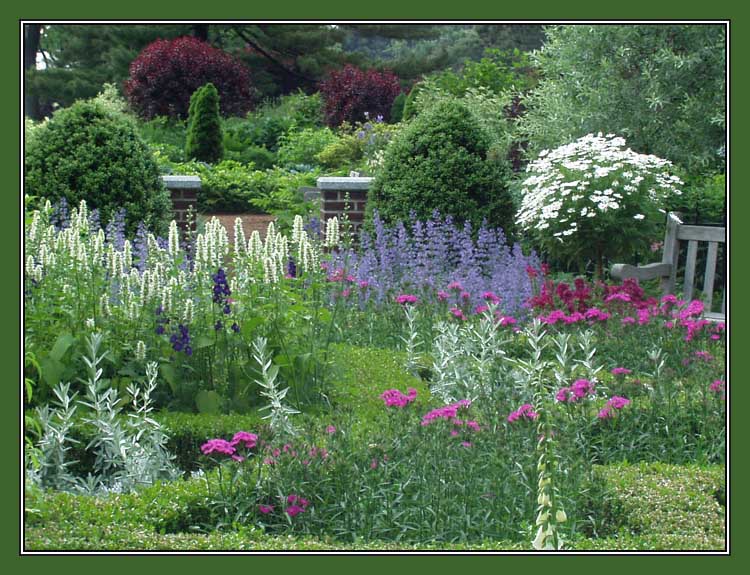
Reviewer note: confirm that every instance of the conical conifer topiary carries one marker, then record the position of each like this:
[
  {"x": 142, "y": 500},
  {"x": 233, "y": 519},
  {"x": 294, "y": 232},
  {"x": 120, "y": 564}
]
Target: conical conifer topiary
[{"x": 204, "y": 139}]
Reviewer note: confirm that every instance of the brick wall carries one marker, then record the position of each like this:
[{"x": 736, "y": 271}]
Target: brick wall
[
  {"x": 338, "y": 194},
  {"x": 184, "y": 193}
]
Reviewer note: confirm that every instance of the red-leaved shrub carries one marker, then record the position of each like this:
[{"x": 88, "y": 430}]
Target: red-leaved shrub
[
  {"x": 167, "y": 72},
  {"x": 350, "y": 92}
]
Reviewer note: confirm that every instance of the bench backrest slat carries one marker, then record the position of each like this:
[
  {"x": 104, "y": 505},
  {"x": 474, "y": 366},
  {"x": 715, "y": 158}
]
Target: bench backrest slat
[
  {"x": 671, "y": 252},
  {"x": 710, "y": 274},
  {"x": 700, "y": 233},
  {"x": 692, "y": 252}
]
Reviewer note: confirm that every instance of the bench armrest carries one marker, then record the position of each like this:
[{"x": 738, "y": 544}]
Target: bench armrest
[{"x": 641, "y": 273}]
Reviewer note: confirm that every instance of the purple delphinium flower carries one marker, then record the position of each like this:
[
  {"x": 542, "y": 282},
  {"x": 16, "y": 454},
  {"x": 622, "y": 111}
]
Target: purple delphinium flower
[{"x": 180, "y": 340}]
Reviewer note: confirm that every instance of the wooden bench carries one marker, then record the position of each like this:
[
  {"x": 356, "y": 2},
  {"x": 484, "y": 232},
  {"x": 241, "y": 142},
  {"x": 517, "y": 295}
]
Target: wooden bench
[{"x": 667, "y": 269}]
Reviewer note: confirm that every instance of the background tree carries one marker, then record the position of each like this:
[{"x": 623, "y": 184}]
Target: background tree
[
  {"x": 204, "y": 139},
  {"x": 80, "y": 59},
  {"x": 662, "y": 87},
  {"x": 166, "y": 73}
]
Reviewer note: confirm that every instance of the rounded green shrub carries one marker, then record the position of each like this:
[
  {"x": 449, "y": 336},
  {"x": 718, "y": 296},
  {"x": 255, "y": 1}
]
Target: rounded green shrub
[
  {"x": 439, "y": 162},
  {"x": 204, "y": 140},
  {"x": 86, "y": 152},
  {"x": 397, "y": 109}
]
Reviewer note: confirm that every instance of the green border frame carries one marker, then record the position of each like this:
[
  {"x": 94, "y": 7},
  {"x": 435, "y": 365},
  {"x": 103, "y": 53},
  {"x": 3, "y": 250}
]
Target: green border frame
[{"x": 329, "y": 10}]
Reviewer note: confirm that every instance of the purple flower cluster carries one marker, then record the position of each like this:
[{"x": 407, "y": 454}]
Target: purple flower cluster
[
  {"x": 447, "y": 412},
  {"x": 115, "y": 230},
  {"x": 526, "y": 411},
  {"x": 580, "y": 389},
  {"x": 180, "y": 340},
  {"x": 621, "y": 371},
  {"x": 405, "y": 299},
  {"x": 615, "y": 402},
  {"x": 422, "y": 258},
  {"x": 394, "y": 398},
  {"x": 222, "y": 291},
  {"x": 224, "y": 447},
  {"x": 296, "y": 505}
]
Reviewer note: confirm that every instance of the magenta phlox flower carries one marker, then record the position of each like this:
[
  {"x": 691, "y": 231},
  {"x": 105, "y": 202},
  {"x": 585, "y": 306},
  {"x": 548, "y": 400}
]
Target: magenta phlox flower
[
  {"x": 221, "y": 446},
  {"x": 480, "y": 309},
  {"x": 717, "y": 386},
  {"x": 553, "y": 317},
  {"x": 395, "y": 398},
  {"x": 331, "y": 429},
  {"x": 615, "y": 402},
  {"x": 574, "y": 317},
  {"x": 294, "y": 510},
  {"x": 265, "y": 509},
  {"x": 643, "y": 316},
  {"x": 621, "y": 371},
  {"x": 627, "y": 320},
  {"x": 618, "y": 296},
  {"x": 447, "y": 412},
  {"x": 704, "y": 355},
  {"x": 406, "y": 299},
  {"x": 296, "y": 505},
  {"x": 455, "y": 286},
  {"x": 247, "y": 440},
  {"x": 526, "y": 411},
  {"x": 491, "y": 297},
  {"x": 580, "y": 389},
  {"x": 507, "y": 320},
  {"x": 457, "y": 313},
  {"x": 442, "y": 296},
  {"x": 693, "y": 309}
]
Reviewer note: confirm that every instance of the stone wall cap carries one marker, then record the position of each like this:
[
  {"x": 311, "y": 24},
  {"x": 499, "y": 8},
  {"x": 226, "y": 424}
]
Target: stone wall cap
[
  {"x": 344, "y": 183},
  {"x": 176, "y": 182}
]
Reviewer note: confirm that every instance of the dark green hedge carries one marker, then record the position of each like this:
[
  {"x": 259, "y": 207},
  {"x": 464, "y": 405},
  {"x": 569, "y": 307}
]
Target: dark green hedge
[{"x": 649, "y": 507}]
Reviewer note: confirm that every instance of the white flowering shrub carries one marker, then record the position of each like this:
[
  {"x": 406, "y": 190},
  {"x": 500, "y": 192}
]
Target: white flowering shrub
[{"x": 595, "y": 198}]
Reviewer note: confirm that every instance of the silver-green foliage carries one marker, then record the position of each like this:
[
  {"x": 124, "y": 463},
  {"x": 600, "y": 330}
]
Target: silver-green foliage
[
  {"x": 279, "y": 412},
  {"x": 662, "y": 87},
  {"x": 129, "y": 450},
  {"x": 467, "y": 359}
]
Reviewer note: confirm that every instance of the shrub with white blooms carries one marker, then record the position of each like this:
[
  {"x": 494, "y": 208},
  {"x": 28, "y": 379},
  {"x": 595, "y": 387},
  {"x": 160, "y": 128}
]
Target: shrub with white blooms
[{"x": 594, "y": 198}]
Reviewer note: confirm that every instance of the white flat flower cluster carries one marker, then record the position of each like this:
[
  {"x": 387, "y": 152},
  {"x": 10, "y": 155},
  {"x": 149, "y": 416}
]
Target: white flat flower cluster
[{"x": 592, "y": 176}]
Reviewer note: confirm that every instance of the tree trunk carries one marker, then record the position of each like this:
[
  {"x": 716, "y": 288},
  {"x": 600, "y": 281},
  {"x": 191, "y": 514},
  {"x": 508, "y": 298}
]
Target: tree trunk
[
  {"x": 200, "y": 31},
  {"x": 31, "y": 35}
]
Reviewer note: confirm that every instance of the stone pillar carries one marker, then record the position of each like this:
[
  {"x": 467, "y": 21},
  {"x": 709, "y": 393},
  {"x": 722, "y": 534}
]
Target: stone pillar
[
  {"x": 344, "y": 195},
  {"x": 184, "y": 193}
]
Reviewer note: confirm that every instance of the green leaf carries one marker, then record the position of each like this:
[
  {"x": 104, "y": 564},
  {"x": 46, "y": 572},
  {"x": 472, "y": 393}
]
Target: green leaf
[
  {"x": 202, "y": 341},
  {"x": 167, "y": 372},
  {"x": 208, "y": 401},
  {"x": 52, "y": 371},
  {"x": 62, "y": 345}
]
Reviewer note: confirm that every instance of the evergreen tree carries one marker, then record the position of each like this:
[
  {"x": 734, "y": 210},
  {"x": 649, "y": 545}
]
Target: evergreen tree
[{"x": 204, "y": 139}]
